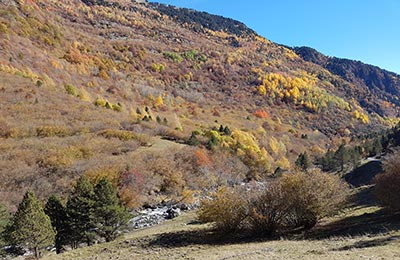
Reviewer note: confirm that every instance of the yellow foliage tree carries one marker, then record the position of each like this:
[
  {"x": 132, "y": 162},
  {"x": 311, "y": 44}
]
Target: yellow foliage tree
[
  {"x": 262, "y": 90},
  {"x": 158, "y": 101}
]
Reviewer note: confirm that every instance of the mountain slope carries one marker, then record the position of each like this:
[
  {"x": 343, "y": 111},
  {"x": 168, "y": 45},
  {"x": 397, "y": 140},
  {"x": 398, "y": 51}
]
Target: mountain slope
[
  {"x": 87, "y": 86},
  {"x": 382, "y": 84}
]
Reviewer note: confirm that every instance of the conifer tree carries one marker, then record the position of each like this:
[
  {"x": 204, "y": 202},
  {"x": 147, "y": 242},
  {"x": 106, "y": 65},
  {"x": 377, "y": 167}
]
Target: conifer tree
[
  {"x": 193, "y": 140},
  {"x": 342, "y": 156},
  {"x": 110, "y": 216},
  {"x": 31, "y": 227},
  {"x": 303, "y": 161},
  {"x": 328, "y": 161},
  {"x": 80, "y": 212},
  {"x": 376, "y": 147},
  {"x": 165, "y": 121},
  {"x": 4, "y": 221},
  {"x": 227, "y": 131},
  {"x": 58, "y": 216},
  {"x": 158, "y": 119}
]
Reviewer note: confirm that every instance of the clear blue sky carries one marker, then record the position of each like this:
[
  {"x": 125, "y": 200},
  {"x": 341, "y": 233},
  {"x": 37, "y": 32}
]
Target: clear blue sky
[{"x": 365, "y": 30}]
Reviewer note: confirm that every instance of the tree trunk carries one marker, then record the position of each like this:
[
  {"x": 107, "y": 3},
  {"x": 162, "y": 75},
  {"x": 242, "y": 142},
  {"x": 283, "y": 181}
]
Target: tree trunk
[{"x": 37, "y": 253}]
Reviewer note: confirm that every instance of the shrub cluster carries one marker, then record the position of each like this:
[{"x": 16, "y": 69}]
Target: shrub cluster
[
  {"x": 293, "y": 201},
  {"x": 387, "y": 183},
  {"x": 52, "y": 130},
  {"x": 106, "y": 104},
  {"x": 122, "y": 135}
]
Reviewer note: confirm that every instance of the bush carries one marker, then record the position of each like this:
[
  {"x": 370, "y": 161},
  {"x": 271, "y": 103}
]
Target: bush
[
  {"x": 100, "y": 102},
  {"x": 176, "y": 57},
  {"x": 227, "y": 210},
  {"x": 266, "y": 210},
  {"x": 116, "y": 107},
  {"x": 261, "y": 114},
  {"x": 110, "y": 172},
  {"x": 311, "y": 196},
  {"x": 387, "y": 183},
  {"x": 296, "y": 200},
  {"x": 157, "y": 67},
  {"x": 122, "y": 135},
  {"x": 71, "y": 90},
  {"x": 50, "y": 131}
]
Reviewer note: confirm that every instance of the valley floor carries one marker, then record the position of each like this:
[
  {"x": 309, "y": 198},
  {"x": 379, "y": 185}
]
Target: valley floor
[{"x": 362, "y": 232}]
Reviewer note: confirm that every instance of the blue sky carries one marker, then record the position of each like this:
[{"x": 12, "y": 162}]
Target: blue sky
[{"x": 365, "y": 30}]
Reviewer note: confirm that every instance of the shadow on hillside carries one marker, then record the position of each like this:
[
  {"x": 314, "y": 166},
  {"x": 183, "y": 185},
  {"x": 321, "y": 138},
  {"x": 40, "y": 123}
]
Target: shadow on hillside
[
  {"x": 364, "y": 174},
  {"x": 364, "y": 197},
  {"x": 366, "y": 224},
  {"x": 370, "y": 243},
  {"x": 203, "y": 237},
  {"x": 371, "y": 223}
]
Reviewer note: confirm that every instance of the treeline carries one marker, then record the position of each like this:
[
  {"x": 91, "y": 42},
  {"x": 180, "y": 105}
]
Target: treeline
[
  {"x": 369, "y": 145},
  {"x": 93, "y": 213},
  {"x": 205, "y": 20}
]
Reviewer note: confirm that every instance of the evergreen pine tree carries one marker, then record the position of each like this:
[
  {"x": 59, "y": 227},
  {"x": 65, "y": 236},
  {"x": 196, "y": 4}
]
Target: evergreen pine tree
[
  {"x": 111, "y": 217},
  {"x": 165, "y": 121},
  {"x": 80, "y": 212},
  {"x": 193, "y": 140},
  {"x": 31, "y": 227},
  {"x": 303, "y": 161},
  {"x": 376, "y": 147},
  {"x": 328, "y": 161},
  {"x": 158, "y": 119},
  {"x": 227, "y": 131},
  {"x": 355, "y": 156},
  {"x": 58, "y": 216},
  {"x": 213, "y": 142},
  {"x": 4, "y": 221},
  {"x": 342, "y": 156}
]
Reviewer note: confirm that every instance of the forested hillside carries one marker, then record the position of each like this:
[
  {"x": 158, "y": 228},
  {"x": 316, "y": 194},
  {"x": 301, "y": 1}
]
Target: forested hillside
[{"x": 374, "y": 81}]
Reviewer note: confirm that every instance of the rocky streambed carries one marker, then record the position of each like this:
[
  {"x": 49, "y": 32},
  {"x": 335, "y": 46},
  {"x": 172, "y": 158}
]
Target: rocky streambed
[{"x": 152, "y": 216}]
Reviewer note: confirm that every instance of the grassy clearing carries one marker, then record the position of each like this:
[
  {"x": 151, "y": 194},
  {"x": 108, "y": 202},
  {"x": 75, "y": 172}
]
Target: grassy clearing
[{"x": 364, "y": 232}]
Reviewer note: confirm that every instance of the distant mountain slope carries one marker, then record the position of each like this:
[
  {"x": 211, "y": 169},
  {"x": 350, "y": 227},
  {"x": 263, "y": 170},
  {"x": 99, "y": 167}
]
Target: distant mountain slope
[
  {"x": 204, "y": 20},
  {"x": 381, "y": 83}
]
